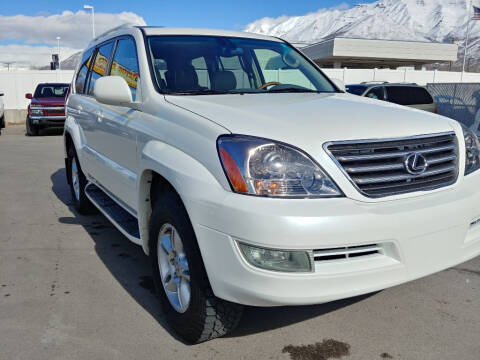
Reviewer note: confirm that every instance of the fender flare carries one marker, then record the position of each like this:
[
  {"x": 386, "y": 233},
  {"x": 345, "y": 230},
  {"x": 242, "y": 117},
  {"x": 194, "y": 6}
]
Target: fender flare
[{"x": 185, "y": 174}]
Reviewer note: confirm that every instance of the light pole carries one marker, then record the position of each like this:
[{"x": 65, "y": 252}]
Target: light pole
[
  {"x": 58, "y": 51},
  {"x": 90, "y": 7},
  {"x": 466, "y": 39}
]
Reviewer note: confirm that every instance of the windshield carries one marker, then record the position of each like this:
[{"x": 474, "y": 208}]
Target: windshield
[
  {"x": 51, "y": 90},
  {"x": 216, "y": 65}
]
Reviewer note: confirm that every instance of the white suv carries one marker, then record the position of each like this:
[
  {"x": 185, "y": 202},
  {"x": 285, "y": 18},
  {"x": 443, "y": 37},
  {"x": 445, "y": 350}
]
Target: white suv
[{"x": 250, "y": 178}]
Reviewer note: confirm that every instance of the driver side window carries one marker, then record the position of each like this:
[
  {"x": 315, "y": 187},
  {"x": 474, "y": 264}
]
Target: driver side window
[{"x": 274, "y": 68}]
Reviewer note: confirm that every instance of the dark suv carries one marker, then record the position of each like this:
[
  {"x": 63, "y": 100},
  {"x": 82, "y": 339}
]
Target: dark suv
[
  {"x": 411, "y": 95},
  {"x": 47, "y": 107}
]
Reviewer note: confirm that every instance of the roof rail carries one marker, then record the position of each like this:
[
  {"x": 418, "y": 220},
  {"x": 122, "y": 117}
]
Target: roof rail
[
  {"x": 374, "y": 82},
  {"x": 112, "y": 30}
]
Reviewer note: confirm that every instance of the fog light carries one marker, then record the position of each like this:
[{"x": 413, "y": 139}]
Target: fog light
[{"x": 277, "y": 260}]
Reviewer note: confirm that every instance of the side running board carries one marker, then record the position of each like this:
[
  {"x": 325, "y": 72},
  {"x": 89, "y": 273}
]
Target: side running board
[{"x": 125, "y": 222}]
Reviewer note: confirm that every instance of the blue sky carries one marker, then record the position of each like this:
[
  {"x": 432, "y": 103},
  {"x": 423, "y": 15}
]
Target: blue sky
[
  {"x": 28, "y": 29},
  {"x": 196, "y": 13}
]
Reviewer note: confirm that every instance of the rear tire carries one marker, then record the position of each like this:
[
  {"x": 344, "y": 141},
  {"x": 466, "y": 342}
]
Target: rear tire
[
  {"x": 32, "y": 130},
  {"x": 201, "y": 316},
  {"x": 78, "y": 182}
]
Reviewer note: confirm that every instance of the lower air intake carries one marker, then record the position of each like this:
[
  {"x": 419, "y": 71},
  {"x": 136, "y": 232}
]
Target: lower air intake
[{"x": 346, "y": 253}]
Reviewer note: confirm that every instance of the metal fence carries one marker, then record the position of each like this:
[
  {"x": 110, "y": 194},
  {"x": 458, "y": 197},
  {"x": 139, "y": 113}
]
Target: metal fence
[{"x": 458, "y": 101}]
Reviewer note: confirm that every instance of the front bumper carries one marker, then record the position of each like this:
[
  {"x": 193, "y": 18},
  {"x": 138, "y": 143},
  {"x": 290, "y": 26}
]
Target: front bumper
[
  {"x": 421, "y": 235},
  {"x": 48, "y": 120}
]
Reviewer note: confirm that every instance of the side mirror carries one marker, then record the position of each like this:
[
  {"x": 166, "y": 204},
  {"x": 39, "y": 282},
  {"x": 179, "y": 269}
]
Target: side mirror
[
  {"x": 28, "y": 96},
  {"x": 113, "y": 90},
  {"x": 340, "y": 84}
]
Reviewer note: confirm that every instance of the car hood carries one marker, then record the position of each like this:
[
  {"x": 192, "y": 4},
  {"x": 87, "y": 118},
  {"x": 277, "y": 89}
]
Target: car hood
[
  {"x": 307, "y": 119},
  {"x": 49, "y": 101}
]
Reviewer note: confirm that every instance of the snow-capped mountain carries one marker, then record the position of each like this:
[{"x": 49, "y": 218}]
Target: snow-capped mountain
[{"x": 419, "y": 20}]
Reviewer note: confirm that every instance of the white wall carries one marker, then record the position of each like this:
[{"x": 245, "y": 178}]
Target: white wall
[
  {"x": 15, "y": 84},
  {"x": 352, "y": 76}
]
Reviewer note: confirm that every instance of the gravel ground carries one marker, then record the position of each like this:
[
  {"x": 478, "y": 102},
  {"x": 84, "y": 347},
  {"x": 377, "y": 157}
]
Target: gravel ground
[{"x": 72, "y": 287}]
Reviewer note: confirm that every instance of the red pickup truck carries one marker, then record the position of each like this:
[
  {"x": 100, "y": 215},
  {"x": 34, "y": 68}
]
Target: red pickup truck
[{"x": 47, "y": 107}]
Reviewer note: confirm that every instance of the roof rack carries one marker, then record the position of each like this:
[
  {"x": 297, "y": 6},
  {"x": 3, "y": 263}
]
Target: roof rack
[
  {"x": 374, "y": 82},
  {"x": 112, "y": 30}
]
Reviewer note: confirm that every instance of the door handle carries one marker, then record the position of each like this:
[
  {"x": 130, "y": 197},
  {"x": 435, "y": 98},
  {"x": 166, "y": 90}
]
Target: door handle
[{"x": 99, "y": 116}]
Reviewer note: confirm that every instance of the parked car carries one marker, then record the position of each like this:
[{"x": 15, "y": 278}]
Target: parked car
[
  {"x": 247, "y": 185},
  {"x": 411, "y": 95},
  {"x": 47, "y": 107},
  {"x": 2, "y": 114}
]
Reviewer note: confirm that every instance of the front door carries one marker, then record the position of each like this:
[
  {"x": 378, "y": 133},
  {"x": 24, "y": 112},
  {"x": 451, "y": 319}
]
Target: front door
[{"x": 118, "y": 138}]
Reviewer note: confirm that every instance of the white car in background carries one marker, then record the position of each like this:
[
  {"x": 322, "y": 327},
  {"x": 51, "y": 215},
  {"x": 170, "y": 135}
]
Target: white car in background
[
  {"x": 2, "y": 113},
  {"x": 250, "y": 178}
]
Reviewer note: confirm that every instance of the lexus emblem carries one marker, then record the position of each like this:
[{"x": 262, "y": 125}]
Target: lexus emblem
[{"x": 415, "y": 164}]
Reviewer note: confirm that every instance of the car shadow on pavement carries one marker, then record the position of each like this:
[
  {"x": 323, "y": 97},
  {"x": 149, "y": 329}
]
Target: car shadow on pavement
[{"x": 131, "y": 268}]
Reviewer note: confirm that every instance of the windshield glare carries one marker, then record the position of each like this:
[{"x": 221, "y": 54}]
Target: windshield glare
[{"x": 214, "y": 64}]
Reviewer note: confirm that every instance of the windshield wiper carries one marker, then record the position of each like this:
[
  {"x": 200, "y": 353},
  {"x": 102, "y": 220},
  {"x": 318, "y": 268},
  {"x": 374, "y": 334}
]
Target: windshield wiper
[
  {"x": 199, "y": 92},
  {"x": 294, "y": 90}
]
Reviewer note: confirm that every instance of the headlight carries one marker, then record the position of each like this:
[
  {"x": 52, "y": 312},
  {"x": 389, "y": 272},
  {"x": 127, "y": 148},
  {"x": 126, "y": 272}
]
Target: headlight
[
  {"x": 472, "y": 151},
  {"x": 266, "y": 168},
  {"x": 36, "y": 110},
  {"x": 277, "y": 260}
]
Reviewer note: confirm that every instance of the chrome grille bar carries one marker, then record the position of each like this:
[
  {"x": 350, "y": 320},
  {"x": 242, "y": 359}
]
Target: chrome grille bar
[{"x": 377, "y": 168}]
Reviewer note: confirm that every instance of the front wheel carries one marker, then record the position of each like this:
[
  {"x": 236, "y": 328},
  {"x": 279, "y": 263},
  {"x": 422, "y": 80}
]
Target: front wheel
[
  {"x": 32, "y": 130},
  {"x": 181, "y": 282}
]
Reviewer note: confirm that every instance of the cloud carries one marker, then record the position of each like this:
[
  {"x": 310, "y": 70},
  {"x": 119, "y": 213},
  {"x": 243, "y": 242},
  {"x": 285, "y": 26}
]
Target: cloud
[
  {"x": 75, "y": 30},
  {"x": 341, "y": 7}
]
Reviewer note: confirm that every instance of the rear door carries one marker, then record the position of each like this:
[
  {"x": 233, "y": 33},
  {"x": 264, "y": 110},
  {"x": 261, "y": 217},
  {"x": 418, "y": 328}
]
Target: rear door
[
  {"x": 89, "y": 109},
  {"x": 75, "y": 108}
]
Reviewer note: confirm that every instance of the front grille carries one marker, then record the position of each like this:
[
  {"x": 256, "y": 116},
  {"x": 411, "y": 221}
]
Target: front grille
[
  {"x": 54, "y": 111},
  {"x": 345, "y": 253},
  {"x": 377, "y": 168}
]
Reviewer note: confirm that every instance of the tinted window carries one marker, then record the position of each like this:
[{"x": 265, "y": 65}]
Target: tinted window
[
  {"x": 100, "y": 65},
  {"x": 408, "y": 95},
  {"x": 356, "y": 89},
  {"x": 125, "y": 64},
  {"x": 376, "y": 93},
  {"x": 211, "y": 64},
  {"x": 51, "y": 90},
  {"x": 83, "y": 71}
]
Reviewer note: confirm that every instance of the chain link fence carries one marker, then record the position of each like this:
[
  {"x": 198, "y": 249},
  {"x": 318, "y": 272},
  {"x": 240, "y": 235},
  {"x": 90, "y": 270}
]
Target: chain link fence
[{"x": 458, "y": 101}]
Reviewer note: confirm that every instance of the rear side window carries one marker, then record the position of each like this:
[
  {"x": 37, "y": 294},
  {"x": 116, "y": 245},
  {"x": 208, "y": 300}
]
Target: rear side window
[
  {"x": 200, "y": 66},
  {"x": 356, "y": 89},
  {"x": 100, "y": 65},
  {"x": 125, "y": 64},
  {"x": 83, "y": 71},
  {"x": 233, "y": 64},
  {"x": 408, "y": 95},
  {"x": 376, "y": 93}
]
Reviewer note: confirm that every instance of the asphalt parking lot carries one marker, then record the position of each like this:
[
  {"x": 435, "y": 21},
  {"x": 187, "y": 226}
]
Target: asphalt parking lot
[{"x": 72, "y": 287}]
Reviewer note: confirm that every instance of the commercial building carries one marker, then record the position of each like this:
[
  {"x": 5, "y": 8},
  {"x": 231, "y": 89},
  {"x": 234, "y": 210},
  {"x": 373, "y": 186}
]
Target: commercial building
[{"x": 367, "y": 54}]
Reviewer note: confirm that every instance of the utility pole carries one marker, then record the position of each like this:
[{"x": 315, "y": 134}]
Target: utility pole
[{"x": 58, "y": 51}]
